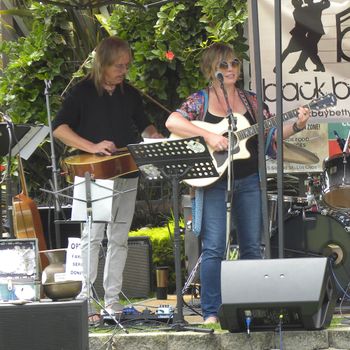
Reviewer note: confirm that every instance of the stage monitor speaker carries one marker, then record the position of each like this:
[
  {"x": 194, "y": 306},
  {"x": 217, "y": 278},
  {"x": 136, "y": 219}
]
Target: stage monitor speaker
[
  {"x": 299, "y": 293},
  {"x": 44, "y": 325},
  {"x": 137, "y": 276}
]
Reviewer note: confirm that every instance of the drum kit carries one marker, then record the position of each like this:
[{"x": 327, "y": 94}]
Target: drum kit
[{"x": 317, "y": 224}]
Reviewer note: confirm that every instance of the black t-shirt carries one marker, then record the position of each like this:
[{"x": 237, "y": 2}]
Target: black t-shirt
[
  {"x": 119, "y": 118},
  {"x": 242, "y": 167}
]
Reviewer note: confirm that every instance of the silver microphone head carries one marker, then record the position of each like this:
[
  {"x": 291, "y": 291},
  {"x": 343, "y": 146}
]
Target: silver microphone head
[{"x": 6, "y": 117}]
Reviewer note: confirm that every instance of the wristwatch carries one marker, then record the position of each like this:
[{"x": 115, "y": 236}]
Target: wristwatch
[{"x": 296, "y": 128}]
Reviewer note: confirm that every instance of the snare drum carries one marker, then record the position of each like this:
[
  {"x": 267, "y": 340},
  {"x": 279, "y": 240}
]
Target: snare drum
[
  {"x": 288, "y": 203},
  {"x": 336, "y": 181}
]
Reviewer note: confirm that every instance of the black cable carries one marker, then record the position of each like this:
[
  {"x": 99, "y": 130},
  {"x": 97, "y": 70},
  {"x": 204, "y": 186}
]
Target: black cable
[
  {"x": 191, "y": 308},
  {"x": 278, "y": 330}
]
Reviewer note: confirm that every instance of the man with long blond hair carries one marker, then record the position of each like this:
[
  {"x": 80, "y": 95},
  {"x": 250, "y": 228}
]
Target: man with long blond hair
[{"x": 100, "y": 114}]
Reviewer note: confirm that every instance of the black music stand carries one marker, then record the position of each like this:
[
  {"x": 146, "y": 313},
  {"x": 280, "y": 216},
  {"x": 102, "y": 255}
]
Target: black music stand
[
  {"x": 16, "y": 139},
  {"x": 175, "y": 160},
  {"x": 20, "y": 131}
]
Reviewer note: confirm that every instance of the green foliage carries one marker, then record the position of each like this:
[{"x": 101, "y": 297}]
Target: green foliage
[
  {"x": 184, "y": 28},
  {"x": 61, "y": 40},
  {"x": 54, "y": 48},
  {"x": 33, "y": 59}
]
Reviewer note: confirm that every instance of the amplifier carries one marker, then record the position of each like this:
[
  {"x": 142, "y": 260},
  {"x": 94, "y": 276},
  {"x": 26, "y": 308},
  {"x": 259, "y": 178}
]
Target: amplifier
[
  {"x": 67, "y": 229},
  {"x": 137, "y": 276},
  {"x": 59, "y": 325}
]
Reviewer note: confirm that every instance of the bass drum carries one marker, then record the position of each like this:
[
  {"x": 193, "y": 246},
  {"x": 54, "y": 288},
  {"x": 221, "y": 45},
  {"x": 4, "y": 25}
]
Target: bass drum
[{"x": 321, "y": 233}]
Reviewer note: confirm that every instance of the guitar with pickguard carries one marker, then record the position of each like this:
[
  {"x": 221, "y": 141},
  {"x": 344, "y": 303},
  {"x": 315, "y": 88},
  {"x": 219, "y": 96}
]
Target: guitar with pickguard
[{"x": 243, "y": 133}]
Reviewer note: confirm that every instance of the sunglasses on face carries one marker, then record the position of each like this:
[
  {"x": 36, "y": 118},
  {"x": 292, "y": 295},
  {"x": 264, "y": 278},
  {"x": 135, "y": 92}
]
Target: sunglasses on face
[{"x": 225, "y": 65}]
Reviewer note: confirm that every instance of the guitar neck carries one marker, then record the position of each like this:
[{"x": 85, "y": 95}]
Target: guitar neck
[{"x": 268, "y": 123}]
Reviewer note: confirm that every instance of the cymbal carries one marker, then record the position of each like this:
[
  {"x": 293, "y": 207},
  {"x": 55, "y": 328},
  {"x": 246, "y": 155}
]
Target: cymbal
[{"x": 296, "y": 154}]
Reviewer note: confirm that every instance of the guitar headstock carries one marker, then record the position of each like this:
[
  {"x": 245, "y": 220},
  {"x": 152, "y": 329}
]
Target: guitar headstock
[{"x": 323, "y": 102}]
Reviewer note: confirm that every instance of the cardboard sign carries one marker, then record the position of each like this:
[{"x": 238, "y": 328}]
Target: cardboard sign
[{"x": 74, "y": 267}]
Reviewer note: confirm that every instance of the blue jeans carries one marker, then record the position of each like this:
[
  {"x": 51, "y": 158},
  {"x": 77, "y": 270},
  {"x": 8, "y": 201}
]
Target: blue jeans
[{"x": 246, "y": 212}]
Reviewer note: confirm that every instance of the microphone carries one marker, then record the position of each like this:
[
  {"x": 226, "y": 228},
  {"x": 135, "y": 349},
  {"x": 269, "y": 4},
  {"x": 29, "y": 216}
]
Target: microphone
[
  {"x": 6, "y": 118},
  {"x": 219, "y": 76},
  {"x": 341, "y": 142}
]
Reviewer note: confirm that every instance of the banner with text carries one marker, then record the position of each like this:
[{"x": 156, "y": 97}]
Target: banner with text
[{"x": 315, "y": 62}]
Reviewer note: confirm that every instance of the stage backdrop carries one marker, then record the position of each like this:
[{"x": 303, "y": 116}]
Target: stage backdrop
[{"x": 316, "y": 61}]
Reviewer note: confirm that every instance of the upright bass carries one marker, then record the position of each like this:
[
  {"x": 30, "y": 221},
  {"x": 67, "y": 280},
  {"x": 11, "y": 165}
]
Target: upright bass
[{"x": 26, "y": 217}]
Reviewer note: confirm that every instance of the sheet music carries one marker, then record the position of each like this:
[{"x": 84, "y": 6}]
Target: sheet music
[
  {"x": 101, "y": 206},
  {"x": 30, "y": 141},
  {"x": 150, "y": 140}
]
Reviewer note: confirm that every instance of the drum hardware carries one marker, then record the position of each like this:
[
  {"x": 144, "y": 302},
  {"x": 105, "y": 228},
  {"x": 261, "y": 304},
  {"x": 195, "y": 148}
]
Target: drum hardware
[
  {"x": 292, "y": 206},
  {"x": 326, "y": 212},
  {"x": 311, "y": 183},
  {"x": 334, "y": 252},
  {"x": 296, "y": 154},
  {"x": 305, "y": 218},
  {"x": 335, "y": 181},
  {"x": 346, "y": 145}
]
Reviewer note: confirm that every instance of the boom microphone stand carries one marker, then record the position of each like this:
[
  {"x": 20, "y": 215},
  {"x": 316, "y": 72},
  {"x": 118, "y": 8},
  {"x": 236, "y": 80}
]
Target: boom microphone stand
[{"x": 54, "y": 169}]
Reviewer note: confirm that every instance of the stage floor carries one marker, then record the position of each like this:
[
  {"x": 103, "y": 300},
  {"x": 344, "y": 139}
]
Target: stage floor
[{"x": 336, "y": 337}]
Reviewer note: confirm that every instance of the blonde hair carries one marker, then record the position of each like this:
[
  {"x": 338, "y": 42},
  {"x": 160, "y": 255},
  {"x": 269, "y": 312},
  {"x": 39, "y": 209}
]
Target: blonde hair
[
  {"x": 106, "y": 53},
  {"x": 212, "y": 56}
]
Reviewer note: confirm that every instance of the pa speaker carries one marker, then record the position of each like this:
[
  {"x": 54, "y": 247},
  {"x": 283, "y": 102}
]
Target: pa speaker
[
  {"x": 44, "y": 325},
  {"x": 137, "y": 275},
  {"x": 297, "y": 293}
]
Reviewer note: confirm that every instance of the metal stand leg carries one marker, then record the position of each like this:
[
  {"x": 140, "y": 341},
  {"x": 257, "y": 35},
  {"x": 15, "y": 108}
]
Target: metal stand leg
[
  {"x": 89, "y": 226},
  {"x": 192, "y": 275},
  {"x": 179, "y": 322}
]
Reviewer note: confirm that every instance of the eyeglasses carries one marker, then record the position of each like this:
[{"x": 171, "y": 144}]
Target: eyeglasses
[
  {"x": 225, "y": 65},
  {"x": 121, "y": 66}
]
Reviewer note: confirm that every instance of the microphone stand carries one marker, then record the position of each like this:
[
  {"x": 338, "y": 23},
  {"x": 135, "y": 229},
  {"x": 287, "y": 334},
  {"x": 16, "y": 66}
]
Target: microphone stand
[
  {"x": 10, "y": 130},
  {"x": 54, "y": 169},
  {"x": 232, "y": 126},
  {"x": 345, "y": 152}
]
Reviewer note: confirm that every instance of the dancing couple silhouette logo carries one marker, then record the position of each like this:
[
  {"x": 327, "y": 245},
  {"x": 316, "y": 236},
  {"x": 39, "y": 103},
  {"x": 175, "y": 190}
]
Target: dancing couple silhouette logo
[{"x": 306, "y": 34}]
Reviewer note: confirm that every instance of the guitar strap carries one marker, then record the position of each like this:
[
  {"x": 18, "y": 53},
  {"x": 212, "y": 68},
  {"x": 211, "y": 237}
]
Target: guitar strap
[
  {"x": 245, "y": 99},
  {"x": 252, "y": 107}
]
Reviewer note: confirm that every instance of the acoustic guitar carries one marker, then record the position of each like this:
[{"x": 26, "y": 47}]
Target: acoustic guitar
[
  {"x": 99, "y": 167},
  {"x": 26, "y": 217},
  {"x": 241, "y": 136}
]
